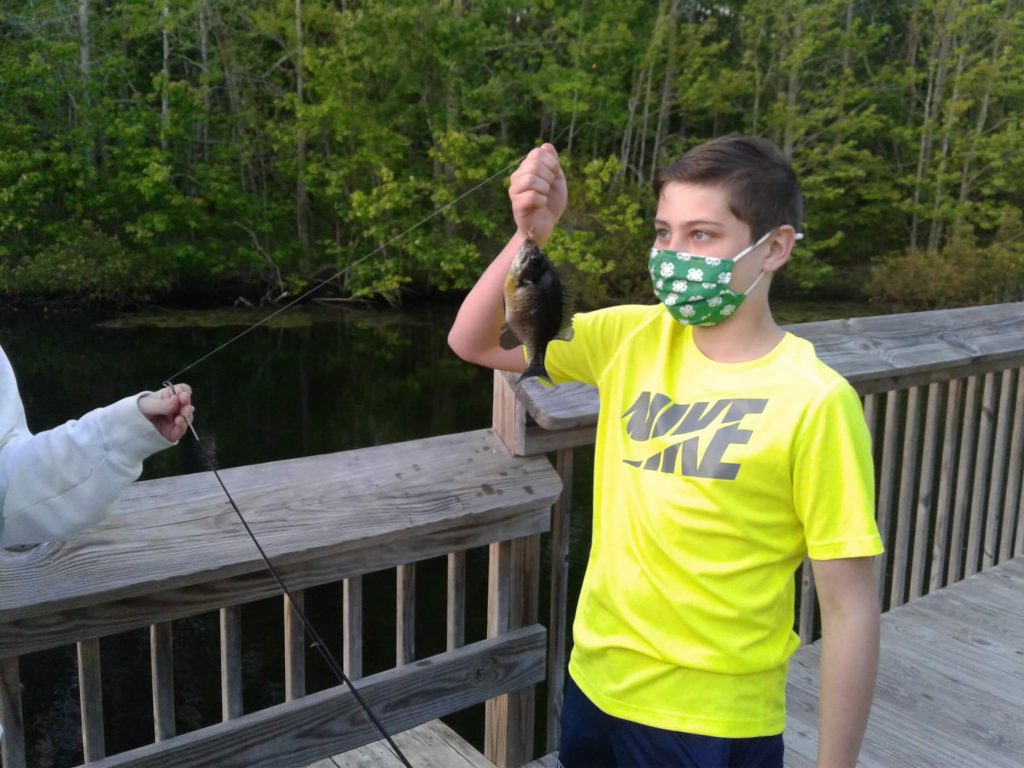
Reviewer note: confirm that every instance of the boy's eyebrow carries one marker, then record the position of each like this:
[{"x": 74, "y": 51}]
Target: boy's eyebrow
[{"x": 695, "y": 222}]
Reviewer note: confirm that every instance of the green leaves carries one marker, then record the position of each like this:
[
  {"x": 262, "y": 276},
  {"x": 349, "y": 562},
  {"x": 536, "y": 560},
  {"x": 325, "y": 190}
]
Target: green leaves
[{"x": 270, "y": 144}]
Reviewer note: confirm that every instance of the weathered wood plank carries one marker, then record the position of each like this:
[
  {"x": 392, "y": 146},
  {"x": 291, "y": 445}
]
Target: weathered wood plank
[
  {"x": 329, "y": 722},
  {"x": 965, "y": 467},
  {"x": 925, "y": 498},
  {"x": 950, "y": 680},
  {"x": 12, "y": 744},
  {"x": 947, "y": 471},
  {"x": 352, "y": 627},
  {"x": 294, "y": 646},
  {"x": 997, "y": 478},
  {"x": 900, "y": 552},
  {"x": 405, "y": 614},
  {"x": 170, "y": 550},
  {"x": 875, "y": 353},
  {"x": 431, "y": 745},
  {"x": 161, "y": 662},
  {"x": 230, "y": 662},
  {"x": 455, "y": 611},
  {"x": 561, "y": 518},
  {"x": 982, "y": 468},
  {"x": 90, "y": 696}
]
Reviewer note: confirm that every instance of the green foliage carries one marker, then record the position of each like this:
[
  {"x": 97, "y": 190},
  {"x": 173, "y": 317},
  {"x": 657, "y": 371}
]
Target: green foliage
[
  {"x": 275, "y": 144},
  {"x": 962, "y": 273}
]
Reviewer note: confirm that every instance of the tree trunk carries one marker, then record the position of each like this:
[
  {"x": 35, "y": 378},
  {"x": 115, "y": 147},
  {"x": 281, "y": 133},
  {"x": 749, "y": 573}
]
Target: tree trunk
[
  {"x": 301, "y": 194},
  {"x": 667, "y": 83},
  {"x": 165, "y": 78}
]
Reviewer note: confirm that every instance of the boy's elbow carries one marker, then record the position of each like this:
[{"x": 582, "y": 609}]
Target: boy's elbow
[{"x": 457, "y": 344}]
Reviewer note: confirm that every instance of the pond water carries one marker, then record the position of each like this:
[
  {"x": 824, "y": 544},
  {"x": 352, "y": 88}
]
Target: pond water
[{"x": 311, "y": 381}]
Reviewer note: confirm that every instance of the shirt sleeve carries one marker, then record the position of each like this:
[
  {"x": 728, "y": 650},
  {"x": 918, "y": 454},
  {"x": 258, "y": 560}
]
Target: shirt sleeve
[
  {"x": 833, "y": 478},
  {"x": 55, "y": 483}
]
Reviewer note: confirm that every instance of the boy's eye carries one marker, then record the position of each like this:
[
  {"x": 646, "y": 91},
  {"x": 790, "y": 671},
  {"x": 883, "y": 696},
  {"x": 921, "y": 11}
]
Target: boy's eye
[
  {"x": 661, "y": 234},
  {"x": 701, "y": 234}
]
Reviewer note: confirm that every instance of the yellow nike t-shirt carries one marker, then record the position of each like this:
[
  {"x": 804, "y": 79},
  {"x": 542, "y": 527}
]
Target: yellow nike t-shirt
[{"x": 712, "y": 481}]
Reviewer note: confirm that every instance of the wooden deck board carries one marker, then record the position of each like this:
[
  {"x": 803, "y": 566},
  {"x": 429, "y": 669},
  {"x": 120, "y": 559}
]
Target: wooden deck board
[
  {"x": 950, "y": 685},
  {"x": 431, "y": 745}
]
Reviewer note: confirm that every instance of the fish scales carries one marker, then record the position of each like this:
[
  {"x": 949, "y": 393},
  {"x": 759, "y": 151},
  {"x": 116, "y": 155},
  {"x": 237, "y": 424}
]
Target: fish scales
[{"x": 536, "y": 309}]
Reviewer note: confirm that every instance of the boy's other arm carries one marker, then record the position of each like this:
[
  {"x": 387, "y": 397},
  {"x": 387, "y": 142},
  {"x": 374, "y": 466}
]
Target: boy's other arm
[
  {"x": 538, "y": 195},
  {"x": 848, "y": 596}
]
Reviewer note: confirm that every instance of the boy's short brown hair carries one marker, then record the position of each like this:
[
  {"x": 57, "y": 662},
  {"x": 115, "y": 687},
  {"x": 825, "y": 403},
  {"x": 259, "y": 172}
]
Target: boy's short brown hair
[{"x": 762, "y": 188}]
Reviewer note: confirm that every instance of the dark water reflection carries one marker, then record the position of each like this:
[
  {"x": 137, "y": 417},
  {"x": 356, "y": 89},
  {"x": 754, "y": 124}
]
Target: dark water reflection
[{"x": 321, "y": 381}]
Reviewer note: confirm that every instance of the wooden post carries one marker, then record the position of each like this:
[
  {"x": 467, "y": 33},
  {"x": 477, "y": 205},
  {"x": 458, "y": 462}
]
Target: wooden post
[
  {"x": 946, "y": 475},
  {"x": 161, "y": 659},
  {"x": 513, "y": 583},
  {"x": 91, "y": 698},
  {"x": 925, "y": 498},
  {"x": 294, "y": 649},
  {"x": 405, "y": 618},
  {"x": 964, "y": 467},
  {"x": 455, "y": 626},
  {"x": 905, "y": 498},
  {"x": 12, "y": 745},
  {"x": 508, "y": 414},
  {"x": 886, "y": 482},
  {"x": 561, "y": 516},
  {"x": 979, "y": 487},
  {"x": 230, "y": 662},
  {"x": 808, "y": 598},
  {"x": 998, "y": 481},
  {"x": 1008, "y": 547},
  {"x": 352, "y": 627}
]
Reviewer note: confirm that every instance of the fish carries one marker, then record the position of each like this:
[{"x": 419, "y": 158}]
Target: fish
[{"x": 537, "y": 310}]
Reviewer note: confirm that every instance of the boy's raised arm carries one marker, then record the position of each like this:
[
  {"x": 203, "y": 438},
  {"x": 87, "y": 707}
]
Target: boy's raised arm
[{"x": 538, "y": 195}]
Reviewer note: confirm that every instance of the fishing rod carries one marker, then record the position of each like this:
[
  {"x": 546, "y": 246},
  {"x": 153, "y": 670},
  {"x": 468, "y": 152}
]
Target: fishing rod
[{"x": 318, "y": 642}]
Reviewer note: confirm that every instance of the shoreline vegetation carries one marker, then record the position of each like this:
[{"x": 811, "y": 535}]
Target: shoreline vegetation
[{"x": 197, "y": 152}]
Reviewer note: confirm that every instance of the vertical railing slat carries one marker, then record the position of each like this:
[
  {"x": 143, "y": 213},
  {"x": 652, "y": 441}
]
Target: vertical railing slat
[
  {"x": 979, "y": 486},
  {"x": 997, "y": 478},
  {"x": 90, "y": 691},
  {"x": 230, "y": 662},
  {"x": 405, "y": 608},
  {"x": 561, "y": 517},
  {"x": 905, "y": 497},
  {"x": 294, "y": 648},
  {"x": 1014, "y": 475},
  {"x": 352, "y": 627},
  {"x": 12, "y": 743},
  {"x": 161, "y": 662},
  {"x": 947, "y": 472},
  {"x": 925, "y": 496},
  {"x": 965, "y": 465},
  {"x": 455, "y": 624},
  {"x": 886, "y": 482}
]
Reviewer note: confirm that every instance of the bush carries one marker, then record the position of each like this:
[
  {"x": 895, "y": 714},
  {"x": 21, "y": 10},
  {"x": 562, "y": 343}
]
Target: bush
[{"x": 962, "y": 273}]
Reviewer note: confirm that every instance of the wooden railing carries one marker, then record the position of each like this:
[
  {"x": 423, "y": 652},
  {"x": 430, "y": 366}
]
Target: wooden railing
[
  {"x": 944, "y": 400},
  {"x": 173, "y": 549},
  {"x": 943, "y": 396}
]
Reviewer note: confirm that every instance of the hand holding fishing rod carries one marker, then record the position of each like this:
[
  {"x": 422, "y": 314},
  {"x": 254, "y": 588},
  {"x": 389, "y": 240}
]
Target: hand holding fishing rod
[{"x": 169, "y": 410}]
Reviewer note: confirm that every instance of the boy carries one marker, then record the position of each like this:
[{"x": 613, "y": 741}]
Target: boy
[
  {"x": 725, "y": 452},
  {"x": 55, "y": 483}
]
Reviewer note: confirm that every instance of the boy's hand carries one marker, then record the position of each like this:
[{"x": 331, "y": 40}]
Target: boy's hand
[
  {"x": 169, "y": 412},
  {"x": 538, "y": 193}
]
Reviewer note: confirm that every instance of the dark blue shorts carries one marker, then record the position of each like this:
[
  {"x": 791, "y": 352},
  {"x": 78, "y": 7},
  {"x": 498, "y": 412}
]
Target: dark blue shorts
[{"x": 594, "y": 739}]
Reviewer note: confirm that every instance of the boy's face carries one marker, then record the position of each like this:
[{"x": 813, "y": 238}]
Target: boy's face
[{"x": 696, "y": 218}]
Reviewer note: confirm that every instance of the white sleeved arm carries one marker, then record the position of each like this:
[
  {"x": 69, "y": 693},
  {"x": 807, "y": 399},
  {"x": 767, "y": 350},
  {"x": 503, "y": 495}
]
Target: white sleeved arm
[{"x": 57, "y": 482}]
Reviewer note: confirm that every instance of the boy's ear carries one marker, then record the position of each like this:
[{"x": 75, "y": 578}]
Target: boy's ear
[{"x": 780, "y": 247}]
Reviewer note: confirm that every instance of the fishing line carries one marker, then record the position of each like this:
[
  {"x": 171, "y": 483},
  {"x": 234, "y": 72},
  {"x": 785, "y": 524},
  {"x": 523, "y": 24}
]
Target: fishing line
[
  {"x": 351, "y": 266},
  {"x": 318, "y": 641}
]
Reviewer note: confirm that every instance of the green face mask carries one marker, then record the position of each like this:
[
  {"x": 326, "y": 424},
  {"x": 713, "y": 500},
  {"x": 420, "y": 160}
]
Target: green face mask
[{"x": 695, "y": 289}]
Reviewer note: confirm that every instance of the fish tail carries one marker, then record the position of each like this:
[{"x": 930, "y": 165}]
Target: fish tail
[{"x": 536, "y": 368}]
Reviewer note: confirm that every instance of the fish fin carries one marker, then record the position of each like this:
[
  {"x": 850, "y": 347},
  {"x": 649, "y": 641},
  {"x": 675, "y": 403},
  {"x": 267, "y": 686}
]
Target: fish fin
[
  {"x": 537, "y": 370},
  {"x": 508, "y": 339}
]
